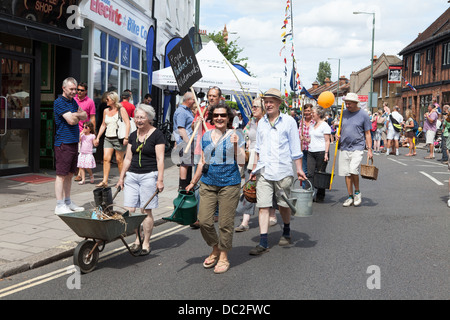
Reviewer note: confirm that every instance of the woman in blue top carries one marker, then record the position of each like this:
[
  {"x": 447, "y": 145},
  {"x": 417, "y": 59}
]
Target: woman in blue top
[{"x": 218, "y": 172}]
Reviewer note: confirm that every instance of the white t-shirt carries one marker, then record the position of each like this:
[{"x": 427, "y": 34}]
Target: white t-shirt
[
  {"x": 397, "y": 116},
  {"x": 317, "y": 137}
]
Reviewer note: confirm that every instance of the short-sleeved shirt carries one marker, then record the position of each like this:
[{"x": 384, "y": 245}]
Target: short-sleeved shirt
[
  {"x": 182, "y": 118},
  {"x": 88, "y": 105},
  {"x": 353, "y": 128},
  {"x": 427, "y": 125},
  {"x": 317, "y": 137},
  {"x": 148, "y": 161},
  {"x": 223, "y": 168},
  {"x": 129, "y": 107},
  {"x": 65, "y": 133}
]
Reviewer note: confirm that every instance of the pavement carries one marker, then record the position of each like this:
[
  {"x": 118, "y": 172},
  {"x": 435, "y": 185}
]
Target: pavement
[{"x": 31, "y": 235}]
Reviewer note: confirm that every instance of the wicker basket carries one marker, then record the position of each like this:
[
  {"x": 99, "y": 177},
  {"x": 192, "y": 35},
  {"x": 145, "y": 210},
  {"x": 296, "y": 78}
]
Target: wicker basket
[
  {"x": 369, "y": 171},
  {"x": 249, "y": 189}
]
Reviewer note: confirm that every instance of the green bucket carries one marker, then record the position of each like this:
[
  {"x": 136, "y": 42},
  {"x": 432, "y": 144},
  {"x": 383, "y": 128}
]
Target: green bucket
[{"x": 185, "y": 208}]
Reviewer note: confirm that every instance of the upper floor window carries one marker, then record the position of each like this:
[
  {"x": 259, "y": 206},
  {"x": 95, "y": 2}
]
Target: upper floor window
[
  {"x": 446, "y": 54},
  {"x": 416, "y": 62}
]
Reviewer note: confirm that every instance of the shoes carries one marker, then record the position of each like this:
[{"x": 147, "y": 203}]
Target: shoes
[
  {"x": 72, "y": 206},
  {"x": 81, "y": 182},
  {"x": 195, "y": 225},
  {"x": 145, "y": 252},
  {"x": 102, "y": 185},
  {"x": 222, "y": 266},
  {"x": 77, "y": 178},
  {"x": 272, "y": 222},
  {"x": 284, "y": 241},
  {"x": 448, "y": 203},
  {"x": 258, "y": 250},
  {"x": 91, "y": 180},
  {"x": 357, "y": 200},
  {"x": 62, "y": 209},
  {"x": 210, "y": 262},
  {"x": 135, "y": 248},
  {"x": 348, "y": 202},
  {"x": 429, "y": 157},
  {"x": 241, "y": 228}
]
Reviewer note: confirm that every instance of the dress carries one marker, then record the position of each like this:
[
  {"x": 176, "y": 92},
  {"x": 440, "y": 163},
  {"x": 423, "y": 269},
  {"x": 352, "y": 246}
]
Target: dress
[{"x": 86, "y": 158}]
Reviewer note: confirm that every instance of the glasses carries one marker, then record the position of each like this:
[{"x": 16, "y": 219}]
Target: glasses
[
  {"x": 255, "y": 107},
  {"x": 140, "y": 118},
  {"x": 82, "y": 90},
  {"x": 222, "y": 115}
]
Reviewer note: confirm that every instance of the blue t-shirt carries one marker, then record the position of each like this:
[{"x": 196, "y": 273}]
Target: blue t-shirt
[
  {"x": 223, "y": 168},
  {"x": 65, "y": 133},
  {"x": 354, "y": 126},
  {"x": 183, "y": 118}
]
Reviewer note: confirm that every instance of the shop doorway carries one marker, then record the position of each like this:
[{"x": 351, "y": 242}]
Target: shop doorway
[{"x": 15, "y": 114}]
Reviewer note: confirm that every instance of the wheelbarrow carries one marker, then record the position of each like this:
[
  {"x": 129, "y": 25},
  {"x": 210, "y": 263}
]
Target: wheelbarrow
[{"x": 97, "y": 232}]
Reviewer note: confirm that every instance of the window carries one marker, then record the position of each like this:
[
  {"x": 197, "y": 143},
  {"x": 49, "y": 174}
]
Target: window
[
  {"x": 380, "y": 95},
  {"x": 446, "y": 54},
  {"x": 387, "y": 89},
  {"x": 416, "y": 62}
]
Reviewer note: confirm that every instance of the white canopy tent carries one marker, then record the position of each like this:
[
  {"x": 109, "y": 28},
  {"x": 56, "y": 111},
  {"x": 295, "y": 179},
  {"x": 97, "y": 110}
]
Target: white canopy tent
[{"x": 216, "y": 71}]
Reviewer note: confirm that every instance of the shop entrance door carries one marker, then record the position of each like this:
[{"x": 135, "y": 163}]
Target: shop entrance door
[{"x": 15, "y": 114}]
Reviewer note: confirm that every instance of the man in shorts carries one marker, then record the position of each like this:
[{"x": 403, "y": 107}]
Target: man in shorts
[
  {"x": 392, "y": 135},
  {"x": 67, "y": 115},
  {"x": 429, "y": 126},
  {"x": 355, "y": 136},
  {"x": 277, "y": 146}
]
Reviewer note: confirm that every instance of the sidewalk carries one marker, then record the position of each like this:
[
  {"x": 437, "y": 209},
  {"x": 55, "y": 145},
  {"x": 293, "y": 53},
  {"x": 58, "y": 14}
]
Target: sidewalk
[{"x": 31, "y": 235}]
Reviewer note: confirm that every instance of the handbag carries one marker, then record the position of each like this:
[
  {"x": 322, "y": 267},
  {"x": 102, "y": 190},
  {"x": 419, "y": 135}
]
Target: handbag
[
  {"x": 369, "y": 171},
  {"x": 121, "y": 127}
]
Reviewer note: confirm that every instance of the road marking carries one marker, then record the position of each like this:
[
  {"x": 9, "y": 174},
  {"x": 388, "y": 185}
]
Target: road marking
[
  {"x": 70, "y": 269},
  {"x": 403, "y": 164},
  {"x": 432, "y": 178}
]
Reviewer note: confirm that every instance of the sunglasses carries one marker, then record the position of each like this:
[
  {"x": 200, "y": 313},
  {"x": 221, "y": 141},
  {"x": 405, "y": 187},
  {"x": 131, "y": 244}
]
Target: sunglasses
[
  {"x": 86, "y": 127},
  {"x": 222, "y": 115},
  {"x": 81, "y": 90}
]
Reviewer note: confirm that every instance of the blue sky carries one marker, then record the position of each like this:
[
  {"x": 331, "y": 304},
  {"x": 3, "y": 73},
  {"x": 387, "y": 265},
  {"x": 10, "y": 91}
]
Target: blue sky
[{"x": 322, "y": 29}]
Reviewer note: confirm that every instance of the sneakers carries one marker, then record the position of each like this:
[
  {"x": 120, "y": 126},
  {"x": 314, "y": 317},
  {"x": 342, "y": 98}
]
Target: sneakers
[
  {"x": 448, "y": 203},
  {"x": 284, "y": 241},
  {"x": 357, "y": 200},
  {"x": 258, "y": 250},
  {"x": 348, "y": 202},
  {"x": 241, "y": 228},
  {"x": 62, "y": 209},
  {"x": 74, "y": 207}
]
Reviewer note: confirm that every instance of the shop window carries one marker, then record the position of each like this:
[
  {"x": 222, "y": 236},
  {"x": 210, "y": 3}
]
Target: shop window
[
  {"x": 144, "y": 62},
  {"x": 99, "y": 44},
  {"x": 144, "y": 85},
  {"x": 113, "y": 78},
  {"x": 16, "y": 44},
  {"x": 135, "y": 86},
  {"x": 99, "y": 77},
  {"x": 125, "y": 54},
  {"x": 135, "y": 58},
  {"x": 124, "y": 79},
  {"x": 113, "y": 49}
]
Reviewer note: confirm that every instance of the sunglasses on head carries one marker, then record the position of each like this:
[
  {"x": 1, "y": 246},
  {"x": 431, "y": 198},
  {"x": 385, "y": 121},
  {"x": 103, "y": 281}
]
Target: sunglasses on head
[{"x": 222, "y": 115}]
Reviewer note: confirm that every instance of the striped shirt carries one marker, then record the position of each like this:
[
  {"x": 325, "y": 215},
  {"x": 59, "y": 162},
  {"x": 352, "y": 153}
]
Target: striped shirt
[{"x": 65, "y": 133}]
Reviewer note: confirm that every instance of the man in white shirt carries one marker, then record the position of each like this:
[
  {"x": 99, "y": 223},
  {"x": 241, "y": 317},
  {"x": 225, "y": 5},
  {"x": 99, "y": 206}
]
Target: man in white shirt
[{"x": 392, "y": 134}]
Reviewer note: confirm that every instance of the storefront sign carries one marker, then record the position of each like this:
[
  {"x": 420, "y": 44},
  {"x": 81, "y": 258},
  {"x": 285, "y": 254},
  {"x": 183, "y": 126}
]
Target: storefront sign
[
  {"x": 395, "y": 74},
  {"x": 118, "y": 17}
]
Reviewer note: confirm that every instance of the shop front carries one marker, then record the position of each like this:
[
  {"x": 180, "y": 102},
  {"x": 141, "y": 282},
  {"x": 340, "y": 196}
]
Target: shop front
[{"x": 34, "y": 42}]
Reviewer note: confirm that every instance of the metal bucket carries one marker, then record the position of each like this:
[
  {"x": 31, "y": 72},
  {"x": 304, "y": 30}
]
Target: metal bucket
[{"x": 303, "y": 199}]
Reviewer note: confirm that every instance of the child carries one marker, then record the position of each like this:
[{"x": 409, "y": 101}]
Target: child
[{"x": 85, "y": 158}]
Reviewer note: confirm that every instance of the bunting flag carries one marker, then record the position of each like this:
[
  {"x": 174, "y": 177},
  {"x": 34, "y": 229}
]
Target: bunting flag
[{"x": 409, "y": 84}]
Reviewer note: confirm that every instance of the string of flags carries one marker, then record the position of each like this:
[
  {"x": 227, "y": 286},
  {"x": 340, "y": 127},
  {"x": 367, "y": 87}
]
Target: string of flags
[{"x": 409, "y": 84}]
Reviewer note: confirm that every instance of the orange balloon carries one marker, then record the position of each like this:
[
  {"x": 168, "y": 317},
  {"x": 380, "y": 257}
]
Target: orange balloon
[{"x": 326, "y": 99}]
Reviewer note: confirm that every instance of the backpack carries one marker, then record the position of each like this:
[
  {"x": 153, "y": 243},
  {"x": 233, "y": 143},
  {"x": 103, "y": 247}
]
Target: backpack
[{"x": 397, "y": 126}]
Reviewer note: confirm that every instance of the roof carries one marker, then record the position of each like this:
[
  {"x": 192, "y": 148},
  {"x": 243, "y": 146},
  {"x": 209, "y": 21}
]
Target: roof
[
  {"x": 332, "y": 87},
  {"x": 439, "y": 28}
]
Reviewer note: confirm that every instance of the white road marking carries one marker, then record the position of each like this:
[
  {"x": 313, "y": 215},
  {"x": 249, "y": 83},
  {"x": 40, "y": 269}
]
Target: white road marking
[
  {"x": 432, "y": 178},
  {"x": 403, "y": 164}
]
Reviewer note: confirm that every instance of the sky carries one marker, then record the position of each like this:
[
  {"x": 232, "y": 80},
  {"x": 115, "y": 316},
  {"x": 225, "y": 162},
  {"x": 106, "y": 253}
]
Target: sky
[{"x": 322, "y": 29}]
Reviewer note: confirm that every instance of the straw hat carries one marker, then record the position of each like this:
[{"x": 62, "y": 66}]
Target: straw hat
[
  {"x": 351, "y": 97},
  {"x": 273, "y": 93}
]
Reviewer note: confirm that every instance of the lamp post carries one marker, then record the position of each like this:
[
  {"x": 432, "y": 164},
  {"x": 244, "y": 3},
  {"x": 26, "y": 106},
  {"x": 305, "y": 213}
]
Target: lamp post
[
  {"x": 373, "y": 40},
  {"x": 338, "y": 82}
]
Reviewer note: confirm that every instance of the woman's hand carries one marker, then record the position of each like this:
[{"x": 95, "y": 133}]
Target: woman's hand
[{"x": 125, "y": 141}]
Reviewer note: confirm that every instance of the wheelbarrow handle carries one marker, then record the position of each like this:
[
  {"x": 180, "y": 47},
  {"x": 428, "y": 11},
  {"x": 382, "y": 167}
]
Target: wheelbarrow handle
[
  {"x": 149, "y": 200},
  {"x": 117, "y": 191}
]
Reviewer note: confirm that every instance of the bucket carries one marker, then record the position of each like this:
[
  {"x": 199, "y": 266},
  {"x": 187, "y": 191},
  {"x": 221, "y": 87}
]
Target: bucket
[
  {"x": 321, "y": 180},
  {"x": 185, "y": 211},
  {"x": 103, "y": 197},
  {"x": 303, "y": 199}
]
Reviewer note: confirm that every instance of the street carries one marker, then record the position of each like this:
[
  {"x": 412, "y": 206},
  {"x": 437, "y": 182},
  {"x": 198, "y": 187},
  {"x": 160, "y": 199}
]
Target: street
[{"x": 394, "y": 246}]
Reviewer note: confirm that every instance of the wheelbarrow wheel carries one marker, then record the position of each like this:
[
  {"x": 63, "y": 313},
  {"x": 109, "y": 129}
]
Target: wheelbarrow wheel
[{"x": 81, "y": 256}]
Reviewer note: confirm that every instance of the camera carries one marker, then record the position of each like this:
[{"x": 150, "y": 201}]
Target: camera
[{"x": 205, "y": 168}]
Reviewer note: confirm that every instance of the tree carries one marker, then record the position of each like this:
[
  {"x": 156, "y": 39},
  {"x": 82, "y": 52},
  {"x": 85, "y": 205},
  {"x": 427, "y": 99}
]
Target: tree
[
  {"x": 230, "y": 50},
  {"x": 324, "y": 72}
]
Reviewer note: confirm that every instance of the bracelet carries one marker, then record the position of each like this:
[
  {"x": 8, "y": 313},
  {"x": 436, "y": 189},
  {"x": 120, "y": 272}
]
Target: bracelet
[{"x": 125, "y": 138}]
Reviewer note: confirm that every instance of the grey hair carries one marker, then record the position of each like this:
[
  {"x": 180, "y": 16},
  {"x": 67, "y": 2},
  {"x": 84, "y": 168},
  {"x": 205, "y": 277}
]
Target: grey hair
[
  {"x": 71, "y": 80},
  {"x": 149, "y": 111},
  {"x": 187, "y": 96},
  {"x": 320, "y": 111}
]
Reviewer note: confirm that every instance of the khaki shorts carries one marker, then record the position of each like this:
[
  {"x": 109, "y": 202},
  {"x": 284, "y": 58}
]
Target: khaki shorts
[
  {"x": 266, "y": 189},
  {"x": 114, "y": 143},
  {"x": 349, "y": 162}
]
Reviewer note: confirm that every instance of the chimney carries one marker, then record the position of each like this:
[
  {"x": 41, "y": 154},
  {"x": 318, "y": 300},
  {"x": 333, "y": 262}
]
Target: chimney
[
  {"x": 375, "y": 58},
  {"x": 342, "y": 81},
  {"x": 327, "y": 82}
]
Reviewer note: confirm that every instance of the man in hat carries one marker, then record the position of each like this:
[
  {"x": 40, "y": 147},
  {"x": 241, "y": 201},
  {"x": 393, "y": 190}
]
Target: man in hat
[
  {"x": 277, "y": 146},
  {"x": 126, "y": 96},
  {"x": 355, "y": 137}
]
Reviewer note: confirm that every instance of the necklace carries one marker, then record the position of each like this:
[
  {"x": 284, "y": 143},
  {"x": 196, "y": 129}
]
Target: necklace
[{"x": 141, "y": 145}]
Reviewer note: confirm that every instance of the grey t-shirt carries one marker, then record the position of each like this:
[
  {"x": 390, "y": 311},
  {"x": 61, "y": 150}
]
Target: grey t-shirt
[{"x": 354, "y": 125}]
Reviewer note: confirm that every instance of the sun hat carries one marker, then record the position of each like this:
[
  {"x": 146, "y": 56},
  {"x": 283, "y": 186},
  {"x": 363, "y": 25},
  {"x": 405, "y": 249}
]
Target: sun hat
[
  {"x": 351, "y": 97},
  {"x": 273, "y": 93}
]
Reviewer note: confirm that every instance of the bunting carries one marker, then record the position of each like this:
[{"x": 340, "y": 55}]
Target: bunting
[{"x": 409, "y": 84}]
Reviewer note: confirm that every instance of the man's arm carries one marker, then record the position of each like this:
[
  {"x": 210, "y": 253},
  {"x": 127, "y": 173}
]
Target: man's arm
[{"x": 73, "y": 118}]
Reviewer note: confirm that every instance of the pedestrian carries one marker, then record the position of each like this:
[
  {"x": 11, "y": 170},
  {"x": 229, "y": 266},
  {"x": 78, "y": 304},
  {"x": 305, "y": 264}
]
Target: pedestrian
[
  {"x": 319, "y": 146},
  {"x": 112, "y": 144},
  {"x": 445, "y": 126},
  {"x": 88, "y": 105},
  {"x": 147, "y": 99},
  {"x": 182, "y": 122},
  {"x": 377, "y": 136},
  {"x": 126, "y": 96},
  {"x": 354, "y": 138},
  {"x": 393, "y": 124},
  {"x": 67, "y": 115},
  {"x": 277, "y": 146},
  {"x": 409, "y": 132},
  {"x": 429, "y": 127},
  {"x": 219, "y": 174},
  {"x": 143, "y": 171},
  {"x": 247, "y": 208},
  {"x": 304, "y": 134},
  {"x": 86, "y": 161}
]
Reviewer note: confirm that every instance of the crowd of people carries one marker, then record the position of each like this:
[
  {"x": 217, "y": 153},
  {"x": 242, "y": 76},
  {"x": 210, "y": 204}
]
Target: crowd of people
[{"x": 214, "y": 154}]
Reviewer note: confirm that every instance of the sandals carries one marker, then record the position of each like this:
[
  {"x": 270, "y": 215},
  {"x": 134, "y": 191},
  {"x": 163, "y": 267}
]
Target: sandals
[
  {"x": 222, "y": 266},
  {"x": 145, "y": 252},
  {"x": 102, "y": 185},
  {"x": 210, "y": 262},
  {"x": 91, "y": 180},
  {"x": 429, "y": 157},
  {"x": 81, "y": 182}
]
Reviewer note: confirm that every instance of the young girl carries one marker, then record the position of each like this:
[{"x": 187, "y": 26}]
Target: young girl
[{"x": 85, "y": 158}]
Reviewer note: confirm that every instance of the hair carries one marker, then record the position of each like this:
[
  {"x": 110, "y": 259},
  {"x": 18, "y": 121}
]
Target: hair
[
  {"x": 307, "y": 105},
  {"x": 149, "y": 111},
  {"x": 222, "y": 105},
  {"x": 114, "y": 97},
  {"x": 320, "y": 111},
  {"x": 408, "y": 113},
  {"x": 71, "y": 80},
  {"x": 84, "y": 85},
  {"x": 90, "y": 125},
  {"x": 258, "y": 101},
  {"x": 148, "y": 95},
  {"x": 187, "y": 96}
]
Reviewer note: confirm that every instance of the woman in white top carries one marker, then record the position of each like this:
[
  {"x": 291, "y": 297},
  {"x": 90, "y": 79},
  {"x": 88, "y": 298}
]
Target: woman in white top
[
  {"x": 319, "y": 147},
  {"x": 112, "y": 142}
]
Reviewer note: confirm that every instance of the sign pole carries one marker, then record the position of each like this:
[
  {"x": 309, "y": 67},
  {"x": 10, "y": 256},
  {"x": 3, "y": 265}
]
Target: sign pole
[{"x": 337, "y": 143}]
